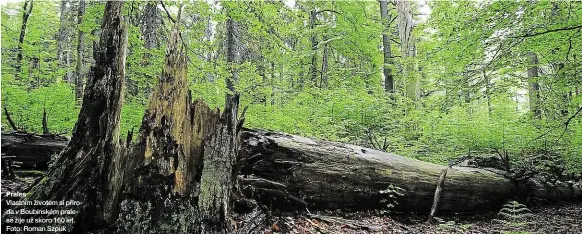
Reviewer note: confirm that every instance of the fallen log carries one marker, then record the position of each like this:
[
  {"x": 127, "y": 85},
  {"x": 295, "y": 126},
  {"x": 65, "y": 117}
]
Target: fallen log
[
  {"x": 32, "y": 150},
  {"x": 294, "y": 173},
  {"x": 330, "y": 175}
]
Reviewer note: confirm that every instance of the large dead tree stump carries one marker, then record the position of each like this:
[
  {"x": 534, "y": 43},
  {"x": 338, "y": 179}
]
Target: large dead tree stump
[{"x": 177, "y": 177}]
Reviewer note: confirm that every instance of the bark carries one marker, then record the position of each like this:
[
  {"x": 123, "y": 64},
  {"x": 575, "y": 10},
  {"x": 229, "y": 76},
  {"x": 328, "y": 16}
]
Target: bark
[
  {"x": 9, "y": 119},
  {"x": 178, "y": 177},
  {"x": 232, "y": 54},
  {"x": 290, "y": 173},
  {"x": 80, "y": 45},
  {"x": 408, "y": 48},
  {"x": 313, "y": 66},
  {"x": 534, "y": 86},
  {"x": 312, "y": 173},
  {"x": 64, "y": 38},
  {"x": 386, "y": 47},
  {"x": 83, "y": 170},
  {"x": 150, "y": 22},
  {"x": 27, "y": 9}
]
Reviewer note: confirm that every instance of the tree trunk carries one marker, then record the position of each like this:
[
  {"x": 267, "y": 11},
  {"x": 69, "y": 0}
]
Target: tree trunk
[
  {"x": 150, "y": 23},
  {"x": 387, "y": 70},
  {"x": 292, "y": 172},
  {"x": 534, "y": 86},
  {"x": 9, "y": 119},
  {"x": 408, "y": 49},
  {"x": 232, "y": 54},
  {"x": 178, "y": 176},
  {"x": 312, "y": 173},
  {"x": 324, "y": 61},
  {"x": 31, "y": 150},
  {"x": 27, "y": 9},
  {"x": 80, "y": 45},
  {"x": 64, "y": 39},
  {"x": 85, "y": 170},
  {"x": 313, "y": 66}
]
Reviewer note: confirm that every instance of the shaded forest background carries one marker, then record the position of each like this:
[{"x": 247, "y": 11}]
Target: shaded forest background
[{"x": 431, "y": 81}]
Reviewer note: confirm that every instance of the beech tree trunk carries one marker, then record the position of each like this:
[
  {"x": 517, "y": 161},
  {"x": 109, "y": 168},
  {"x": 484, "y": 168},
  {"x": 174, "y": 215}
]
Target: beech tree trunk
[
  {"x": 534, "y": 86},
  {"x": 64, "y": 38},
  {"x": 386, "y": 47},
  {"x": 80, "y": 45},
  {"x": 232, "y": 53},
  {"x": 408, "y": 49},
  {"x": 150, "y": 23},
  {"x": 313, "y": 66},
  {"x": 300, "y": 172}
]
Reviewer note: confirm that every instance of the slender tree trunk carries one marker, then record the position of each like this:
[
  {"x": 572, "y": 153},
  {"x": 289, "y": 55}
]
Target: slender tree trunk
[
  {"x": 324, "y": 64},
  {"x": 9, "y": 119},
  {"x": 64, "y": 39},
  {"x": 313, "y": 66},
  {"x": 150, "y": 23},
  {"x": 80, "y": 45},
  {"x": 387, "y": 70},
  {"x": 27, "y": 9},
  {"x": 232, "y": 54},
  {"x": 534, "y": 86},
  {"x": 487, "y": 92}
]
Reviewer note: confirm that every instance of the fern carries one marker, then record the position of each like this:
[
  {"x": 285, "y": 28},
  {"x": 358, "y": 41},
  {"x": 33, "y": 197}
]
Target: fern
[{"x": 514, "y": 214}]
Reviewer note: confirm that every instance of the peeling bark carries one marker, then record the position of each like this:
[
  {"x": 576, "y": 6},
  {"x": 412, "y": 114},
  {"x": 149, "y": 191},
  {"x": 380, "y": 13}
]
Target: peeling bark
[{"x": 178, "y": 177}]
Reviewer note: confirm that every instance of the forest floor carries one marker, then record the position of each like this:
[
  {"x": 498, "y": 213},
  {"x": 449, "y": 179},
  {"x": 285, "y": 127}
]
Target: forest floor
[{"x": 563, "y": 218}]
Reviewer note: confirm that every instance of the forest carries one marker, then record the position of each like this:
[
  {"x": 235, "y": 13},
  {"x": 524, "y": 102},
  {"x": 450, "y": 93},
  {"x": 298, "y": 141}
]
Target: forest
[{"x": 285, "y": 116}]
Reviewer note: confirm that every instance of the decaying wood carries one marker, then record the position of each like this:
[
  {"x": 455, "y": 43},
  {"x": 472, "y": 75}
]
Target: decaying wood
[
  {"x": 10, "y": 121},
  {"x": 84, "y": 170},
  {"x": 291, "y": 172},
  {"x": 33, "y": 151},
  {"x": 437, "y": 194},
  {"x": 177, "y": 177},
  {"x": 330, "y": 175}
]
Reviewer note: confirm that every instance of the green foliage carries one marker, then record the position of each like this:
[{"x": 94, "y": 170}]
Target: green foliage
[
  {"x": 470, "y": 55},
  {"x": 514, "y": 214}
]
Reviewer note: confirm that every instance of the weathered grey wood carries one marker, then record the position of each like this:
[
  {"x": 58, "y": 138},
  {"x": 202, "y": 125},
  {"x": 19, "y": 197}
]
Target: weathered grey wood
[
  {"x": 330, "y": 175},
  {"x": 293, "y": 172}
]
